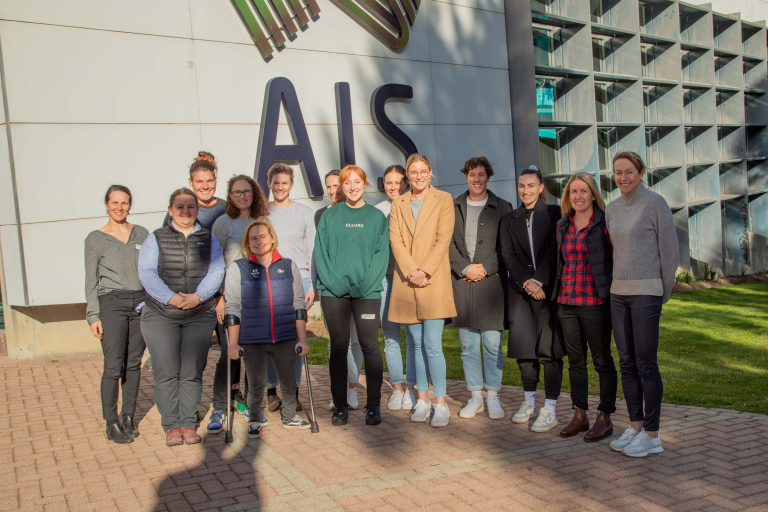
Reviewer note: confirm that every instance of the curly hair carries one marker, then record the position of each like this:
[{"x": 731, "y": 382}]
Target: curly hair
[
  {"x": 477, "y": 161},
  {"x": 259, "y": 206}
]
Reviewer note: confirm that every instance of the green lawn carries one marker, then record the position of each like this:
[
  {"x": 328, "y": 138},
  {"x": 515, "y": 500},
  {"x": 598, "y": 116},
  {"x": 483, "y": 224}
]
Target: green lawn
[{"x": 713, "y": 350}]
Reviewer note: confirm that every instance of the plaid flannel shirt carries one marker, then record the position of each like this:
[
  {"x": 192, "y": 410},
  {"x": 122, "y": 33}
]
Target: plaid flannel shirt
[{"x": 577, "y": 286}]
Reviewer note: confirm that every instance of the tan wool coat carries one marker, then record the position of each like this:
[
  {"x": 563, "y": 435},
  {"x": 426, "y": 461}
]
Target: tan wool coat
[{"x": 422, "y": 247}]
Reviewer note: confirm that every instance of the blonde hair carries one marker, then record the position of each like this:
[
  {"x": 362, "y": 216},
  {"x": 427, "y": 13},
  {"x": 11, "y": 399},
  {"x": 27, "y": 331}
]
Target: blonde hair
[
  {"x": 261, "y": 221},
  {"x": 418, "y": 157},
  {"x": 348, "y": 170},
  {"x": 565, "y": 202}
]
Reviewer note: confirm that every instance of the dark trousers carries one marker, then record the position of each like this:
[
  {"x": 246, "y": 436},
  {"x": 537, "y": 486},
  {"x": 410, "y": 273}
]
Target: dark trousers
[
  {"x": 220, "y": 387},
  {"x": 589, "y": 326},
  {"x": 283, "y": 356},
  {"x": 123, "y": 347},
  {"x": 636, "y": 330},
  {"x": 553, "y": 376},
  {"x": 179, "y": 351},
  {"x": 366, "y": 312}
]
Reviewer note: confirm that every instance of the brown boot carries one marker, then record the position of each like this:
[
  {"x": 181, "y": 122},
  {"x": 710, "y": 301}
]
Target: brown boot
[
  {"x": 579, "y": 423},
  {"x": 601, "y": 429},
  {"x": 190, "y": 436}
]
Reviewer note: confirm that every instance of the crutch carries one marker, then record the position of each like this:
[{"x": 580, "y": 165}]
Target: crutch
[
  {"x": 229, "y": 320},
  {"x": 314, "y": 428}
]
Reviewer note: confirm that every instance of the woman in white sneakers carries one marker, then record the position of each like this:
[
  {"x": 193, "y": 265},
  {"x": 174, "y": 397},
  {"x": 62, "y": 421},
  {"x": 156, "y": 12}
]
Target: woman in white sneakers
[
  {"x": 420, "y": 230},
  {"x": 529, "y": 248}
]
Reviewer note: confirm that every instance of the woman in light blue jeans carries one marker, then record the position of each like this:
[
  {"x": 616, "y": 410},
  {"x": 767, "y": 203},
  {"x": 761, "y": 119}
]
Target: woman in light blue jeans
[{"x": 394, "y": 186}]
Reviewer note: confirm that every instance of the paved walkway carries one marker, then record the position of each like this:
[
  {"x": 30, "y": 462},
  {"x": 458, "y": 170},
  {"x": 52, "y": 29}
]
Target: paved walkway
[{"x": 54, "y": 456}]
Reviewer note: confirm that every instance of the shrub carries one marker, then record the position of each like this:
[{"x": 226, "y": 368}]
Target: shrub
[
  {"x": 711, "y": 273},
  {"x": 684, "y": 276}
]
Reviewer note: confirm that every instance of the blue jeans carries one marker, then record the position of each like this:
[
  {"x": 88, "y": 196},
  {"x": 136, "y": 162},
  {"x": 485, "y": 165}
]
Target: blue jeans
[
  {"x": 427, "y": 342},
  {"x": 391, "y": 331},
  {"x": 272, "y": 380},
  {"x": 493, "y": 356}
]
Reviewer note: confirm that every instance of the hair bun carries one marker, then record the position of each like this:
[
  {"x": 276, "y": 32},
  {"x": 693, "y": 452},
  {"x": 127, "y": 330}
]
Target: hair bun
[{"x": 204, "y": 156}]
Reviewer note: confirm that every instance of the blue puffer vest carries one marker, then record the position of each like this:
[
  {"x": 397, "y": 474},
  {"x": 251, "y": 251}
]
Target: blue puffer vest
[{"x": 268, "y": 315}]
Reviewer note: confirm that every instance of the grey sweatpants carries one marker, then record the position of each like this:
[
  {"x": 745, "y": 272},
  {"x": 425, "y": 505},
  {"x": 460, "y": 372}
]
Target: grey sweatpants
[
  {"x": 179, "y": 351},
  {"x": 283, "y": 355}
]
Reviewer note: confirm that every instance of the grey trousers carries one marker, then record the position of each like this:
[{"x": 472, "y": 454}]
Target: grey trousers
[
  {"x": 179, "y": 351},
  {"x": 283, "y": 355}
]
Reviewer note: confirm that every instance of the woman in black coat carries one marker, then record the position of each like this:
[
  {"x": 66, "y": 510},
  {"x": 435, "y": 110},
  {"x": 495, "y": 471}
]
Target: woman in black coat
[
  {"x": 534, "y": 332},
  {"x": 479, "y": 277}
]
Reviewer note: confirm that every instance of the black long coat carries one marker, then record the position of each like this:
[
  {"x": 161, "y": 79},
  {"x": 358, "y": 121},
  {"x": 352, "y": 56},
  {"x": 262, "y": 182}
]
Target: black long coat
[
  {"x": 479, "y": 305},
  {"x": 534, "y": 331}
]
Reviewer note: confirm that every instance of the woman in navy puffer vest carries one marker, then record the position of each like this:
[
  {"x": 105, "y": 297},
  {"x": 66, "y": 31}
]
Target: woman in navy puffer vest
[{"x": 266, "y": 292}]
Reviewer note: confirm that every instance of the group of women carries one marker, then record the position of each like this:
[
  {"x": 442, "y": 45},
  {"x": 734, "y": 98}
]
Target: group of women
[{"x": 560, "y": 278}]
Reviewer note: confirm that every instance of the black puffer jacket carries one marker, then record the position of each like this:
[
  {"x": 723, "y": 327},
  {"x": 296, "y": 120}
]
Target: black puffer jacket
[
  {"x": 599, "y": 253},
  {"x": 182, "y": 265}
]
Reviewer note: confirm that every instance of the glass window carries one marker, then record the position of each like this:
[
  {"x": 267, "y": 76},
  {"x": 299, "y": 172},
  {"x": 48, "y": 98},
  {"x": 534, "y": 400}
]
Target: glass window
[
  {"x": 546, "y": 96},
  {"x": 607, "y": 138},
  {"x": 543, "y": 46},
  {"x": 551, "y": 143},
  {"x": 601, "y": 101}
]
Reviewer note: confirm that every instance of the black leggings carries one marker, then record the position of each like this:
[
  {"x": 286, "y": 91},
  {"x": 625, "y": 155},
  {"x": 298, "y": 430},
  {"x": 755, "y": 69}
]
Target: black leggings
[
  {"x": 123, "y": 347},
  {"x": 636, "y": 331},
  {"x": 366, "y": 313},
  {"x": 553, "y": 376}
]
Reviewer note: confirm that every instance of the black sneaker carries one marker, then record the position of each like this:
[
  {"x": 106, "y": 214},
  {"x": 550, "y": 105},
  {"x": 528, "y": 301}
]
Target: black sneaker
[
  {"x": 254, "y": 430},
  {"x": 296, "y": 423},
  {"x": 372, "y": 415},
  {"x": 340, "y": 415}
]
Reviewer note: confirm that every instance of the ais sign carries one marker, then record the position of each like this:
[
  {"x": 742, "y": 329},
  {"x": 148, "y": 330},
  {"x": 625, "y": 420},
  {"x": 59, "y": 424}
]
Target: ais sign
[
  {"x": 281, "y": 93},
  {"x": 388, "y": 20}
]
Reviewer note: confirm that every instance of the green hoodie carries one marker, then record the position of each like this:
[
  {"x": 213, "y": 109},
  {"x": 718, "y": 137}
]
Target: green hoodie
[{"x": 351, "y": 252}]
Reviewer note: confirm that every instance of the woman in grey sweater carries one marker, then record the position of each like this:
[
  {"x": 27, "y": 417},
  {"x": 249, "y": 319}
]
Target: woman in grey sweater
[
  {"x": 645, "y": 256},
  {"x": 113, "y": 292},
  {"x": 245, "y": 203}
]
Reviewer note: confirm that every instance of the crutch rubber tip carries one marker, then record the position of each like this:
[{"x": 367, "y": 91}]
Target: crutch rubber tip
[{"x": 228, "y": 437}]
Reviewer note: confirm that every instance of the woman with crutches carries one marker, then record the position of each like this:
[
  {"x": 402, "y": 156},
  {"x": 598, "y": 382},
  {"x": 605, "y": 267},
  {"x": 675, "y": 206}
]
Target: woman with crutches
[{"x": 265, "y": 292}]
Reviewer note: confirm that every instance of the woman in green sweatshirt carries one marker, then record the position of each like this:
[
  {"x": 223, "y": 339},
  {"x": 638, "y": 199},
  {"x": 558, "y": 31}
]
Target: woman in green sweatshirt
[{"x": 351, "y": 256}]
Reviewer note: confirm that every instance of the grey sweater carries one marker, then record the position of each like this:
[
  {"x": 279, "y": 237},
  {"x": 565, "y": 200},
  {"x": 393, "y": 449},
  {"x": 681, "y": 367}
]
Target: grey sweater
[
  {"x": 644, "y": 239},
  {"x": 229, "y": 233},
  {"x": 295, "y": 229}
]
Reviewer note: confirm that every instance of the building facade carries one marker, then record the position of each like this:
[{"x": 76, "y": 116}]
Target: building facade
[{"x": 102, "y": 92}]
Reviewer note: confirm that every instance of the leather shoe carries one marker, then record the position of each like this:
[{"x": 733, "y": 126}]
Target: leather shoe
[
  {"x": 579, "y": 423},
  {"x": 173, "y": 437},
  {"x": 116, "y": 434},
  {"x": 190, "y": 436},
  {"x": 273, "y": 403},
  {"x": 129, "y": 426},
  {"x": 340, "y": 415},
  {"x": 601, "y": 429}
]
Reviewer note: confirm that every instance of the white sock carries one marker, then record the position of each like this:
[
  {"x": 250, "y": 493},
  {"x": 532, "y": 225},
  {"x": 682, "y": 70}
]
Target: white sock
[
  {"x": 492, "y": 395},
  {"x": 477, "y": 394},
  {"x": 530, "y": 397},
  {"x": 550, "y": 405}
]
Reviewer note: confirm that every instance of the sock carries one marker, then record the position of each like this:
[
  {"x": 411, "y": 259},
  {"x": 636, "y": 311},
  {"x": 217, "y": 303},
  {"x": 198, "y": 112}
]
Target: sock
[
  {"x": 272, "y": 391},
  {"x": 477, "y": 394},
  {"x": 550, "y": 405},
  {"x": 530, "y": 397},
  {"x": 493, "y": 394},
  {"x": 297, "y": 392}
]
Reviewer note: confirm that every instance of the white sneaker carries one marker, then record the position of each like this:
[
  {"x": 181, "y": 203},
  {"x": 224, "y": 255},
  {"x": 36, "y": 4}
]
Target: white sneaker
[
  {"x": 408, "y": 400},
  {"x": 421, "y": 411},
  {"x": 642, "y": 445},
  {"x": 395, "y": 402},
  {"x": 441, "y": 416},
  {"x": 524, "y": 413},
  {"x": 544, "y": 421},
  {"x": 626, "y": 438},
  {"x": 495, "y": 412},
  {"x": 352, "y": 398},
  {"x": 474, "y": 406}
]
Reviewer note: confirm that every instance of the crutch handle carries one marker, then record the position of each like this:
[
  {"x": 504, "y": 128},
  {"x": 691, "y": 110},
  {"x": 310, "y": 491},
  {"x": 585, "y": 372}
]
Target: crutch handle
[{"x": 240, "y": 352}]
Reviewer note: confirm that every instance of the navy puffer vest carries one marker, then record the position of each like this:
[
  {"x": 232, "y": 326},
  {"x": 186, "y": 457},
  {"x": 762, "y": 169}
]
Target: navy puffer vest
[
  {"x": 268, "y": 314},
  {"x": 599, "y": 254},
  {"x": 182, "y": 264}
]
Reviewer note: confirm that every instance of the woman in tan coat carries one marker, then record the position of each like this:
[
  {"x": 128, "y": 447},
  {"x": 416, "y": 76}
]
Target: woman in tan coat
[{"x": 420, "y": 229}]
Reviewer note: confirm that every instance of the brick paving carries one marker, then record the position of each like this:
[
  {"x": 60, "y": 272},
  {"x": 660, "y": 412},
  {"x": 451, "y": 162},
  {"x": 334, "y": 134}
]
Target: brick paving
[{"x": 54, "y": 456}]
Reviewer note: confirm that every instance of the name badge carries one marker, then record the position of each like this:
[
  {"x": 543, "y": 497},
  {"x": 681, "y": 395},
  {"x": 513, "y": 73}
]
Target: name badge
[
  {"x": 368, "y": 317},
  {"x": 138, "y": 246}
]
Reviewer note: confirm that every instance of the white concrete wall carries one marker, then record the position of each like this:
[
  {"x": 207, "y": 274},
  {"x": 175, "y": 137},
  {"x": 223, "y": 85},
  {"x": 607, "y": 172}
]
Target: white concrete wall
[{"x": 109, "y": 91}]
